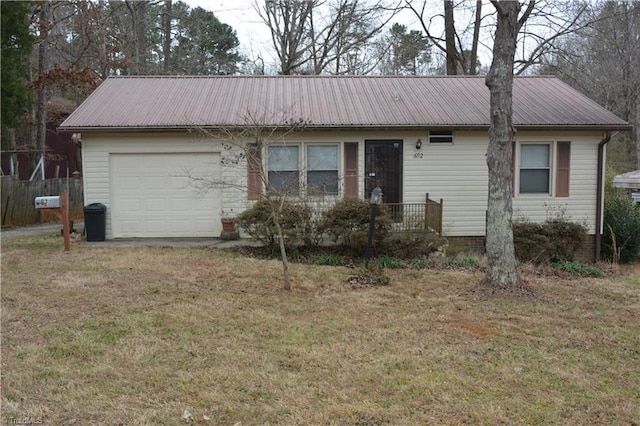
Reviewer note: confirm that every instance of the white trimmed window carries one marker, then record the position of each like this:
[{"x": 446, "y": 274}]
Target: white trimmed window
[
  {"x": 543, "y": 168},
  {"x": 321, "y": 171},
  {"x": 283, "y": 168},
  {"x": 535, "y": 168}
]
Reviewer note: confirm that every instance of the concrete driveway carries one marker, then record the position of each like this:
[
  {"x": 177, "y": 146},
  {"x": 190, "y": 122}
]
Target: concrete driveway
[{"x": 45, "y": 228}]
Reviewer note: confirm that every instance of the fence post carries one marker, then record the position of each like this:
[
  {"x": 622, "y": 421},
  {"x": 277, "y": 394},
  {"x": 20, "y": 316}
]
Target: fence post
[
  {"x": 426, "y": 212},
  {"x": 441, "y": 207}
]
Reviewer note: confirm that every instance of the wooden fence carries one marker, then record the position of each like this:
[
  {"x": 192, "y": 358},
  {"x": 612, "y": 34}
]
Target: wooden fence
[{"x": 18, "y": 200}]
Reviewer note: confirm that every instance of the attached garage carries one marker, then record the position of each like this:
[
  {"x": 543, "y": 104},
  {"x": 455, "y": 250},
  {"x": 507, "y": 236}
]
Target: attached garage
[
  {"x": 151, "y": 195},
  {"x": 146, "y": 182}
]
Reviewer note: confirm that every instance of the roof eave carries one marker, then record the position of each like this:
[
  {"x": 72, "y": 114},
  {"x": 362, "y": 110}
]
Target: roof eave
[
  {"x": 369, "y": 127},
  {"x": 577, "y": 127}
]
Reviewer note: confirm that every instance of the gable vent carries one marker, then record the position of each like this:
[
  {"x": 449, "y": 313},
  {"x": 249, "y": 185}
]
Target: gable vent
[{"x": 441, "y": 136}]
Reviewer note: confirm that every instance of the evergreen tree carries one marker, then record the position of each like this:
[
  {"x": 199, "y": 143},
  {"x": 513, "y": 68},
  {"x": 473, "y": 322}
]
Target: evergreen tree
[{"x": 16, "y": 46}]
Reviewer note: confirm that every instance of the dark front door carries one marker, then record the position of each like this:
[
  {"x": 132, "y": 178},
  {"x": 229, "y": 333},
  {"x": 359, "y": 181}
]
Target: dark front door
[{"x": 383, "y": 168}]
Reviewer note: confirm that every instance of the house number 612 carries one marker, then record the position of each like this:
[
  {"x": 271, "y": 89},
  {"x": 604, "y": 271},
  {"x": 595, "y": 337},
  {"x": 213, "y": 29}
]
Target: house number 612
[{"x": 417, "y": 155}]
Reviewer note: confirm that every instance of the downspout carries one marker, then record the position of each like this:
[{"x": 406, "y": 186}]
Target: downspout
[{"x": 599, "y": 193}]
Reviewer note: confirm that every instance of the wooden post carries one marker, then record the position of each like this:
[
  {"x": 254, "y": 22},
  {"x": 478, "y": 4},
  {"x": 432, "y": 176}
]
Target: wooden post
[
  {"x": 440, "y": 224},
  {"x": 426, "y": 212}
]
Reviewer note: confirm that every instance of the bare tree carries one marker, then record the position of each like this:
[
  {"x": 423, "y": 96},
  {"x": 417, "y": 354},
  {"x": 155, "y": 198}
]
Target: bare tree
[
  {"x": 348, "y": 27},
  {"x": 248, "y": 143},
  {"x": 289, "y": 25},
  {"x": 502, "y": 272},
  {"x": 323, "y": 36},
  {"x": 473, "y": 58},
  {"x": 459, "y": 58},
  {"x": 548, "y": 23},
  {"x": 602, "y": 60}
]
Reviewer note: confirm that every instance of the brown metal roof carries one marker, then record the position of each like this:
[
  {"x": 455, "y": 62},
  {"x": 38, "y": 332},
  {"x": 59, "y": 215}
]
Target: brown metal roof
[{"x": 170, "y": 102}]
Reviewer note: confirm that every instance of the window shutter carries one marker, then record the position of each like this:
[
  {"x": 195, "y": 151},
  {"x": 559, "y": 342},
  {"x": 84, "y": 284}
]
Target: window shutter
[
  {"x": 254, "y": 172},
  {"x": 562, "y": 169},
  {"x": 351, "y": 170}
]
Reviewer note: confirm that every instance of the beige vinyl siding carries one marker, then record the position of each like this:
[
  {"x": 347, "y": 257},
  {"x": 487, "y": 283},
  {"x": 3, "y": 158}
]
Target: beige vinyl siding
[
  {"x": 580, "y": 205},
  {"x": 455, "y": 173}
]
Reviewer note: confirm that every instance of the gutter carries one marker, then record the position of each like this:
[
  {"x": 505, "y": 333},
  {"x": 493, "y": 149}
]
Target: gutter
[
  {"x": 599, "y": 193},
  {"x": 341, "y": 127}
]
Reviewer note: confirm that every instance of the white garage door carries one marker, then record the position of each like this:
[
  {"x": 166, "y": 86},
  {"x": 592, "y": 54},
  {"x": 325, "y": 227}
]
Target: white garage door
[{"x": 151, "y": 196}]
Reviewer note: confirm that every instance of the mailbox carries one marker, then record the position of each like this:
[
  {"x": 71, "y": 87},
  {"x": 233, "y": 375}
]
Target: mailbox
[{"x": 48, "y": 202}]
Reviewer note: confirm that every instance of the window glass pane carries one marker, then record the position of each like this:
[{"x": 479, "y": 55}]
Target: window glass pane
[
  {"x": 534, "y": 181},
  {"x": 283, "y": 158},
  {"x": 322, "y": 157},
  {"x": 284, "y": 183},
  {"x": 534, "y": 156},
  {"x": 322, "y": 182}
]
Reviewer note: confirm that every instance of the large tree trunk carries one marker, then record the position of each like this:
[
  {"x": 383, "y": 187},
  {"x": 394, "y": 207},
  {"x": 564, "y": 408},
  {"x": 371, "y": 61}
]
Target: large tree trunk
[
  {"x": 450, "y": 39},
  {"x": 502, "y": 273},
  {"x": 473, "y": 60}
]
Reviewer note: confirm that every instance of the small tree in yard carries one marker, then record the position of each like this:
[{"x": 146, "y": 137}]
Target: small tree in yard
[{"x": 249, "y": 142}]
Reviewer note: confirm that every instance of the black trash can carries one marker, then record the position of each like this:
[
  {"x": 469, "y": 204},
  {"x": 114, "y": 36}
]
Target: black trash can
[{"x": 95, "y": 219}]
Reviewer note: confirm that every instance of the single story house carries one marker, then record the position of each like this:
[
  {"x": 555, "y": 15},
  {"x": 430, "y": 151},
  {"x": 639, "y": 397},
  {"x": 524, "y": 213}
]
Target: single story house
[{"x": 142, "y": 136}]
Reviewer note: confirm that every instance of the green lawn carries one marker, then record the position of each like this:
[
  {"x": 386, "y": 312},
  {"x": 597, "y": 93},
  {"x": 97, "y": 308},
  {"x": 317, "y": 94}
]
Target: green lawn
[{"x": 107, "y": 336}]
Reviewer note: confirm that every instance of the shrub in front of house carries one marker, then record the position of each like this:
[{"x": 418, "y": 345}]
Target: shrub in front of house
[
  {"x": 295, "y": 221},
  {"x": 347, "y": 223},
  {"x": 621, "y": 232},
  {"x": 551, "y": 241},
  {"x": 578, "y": 268},
  {"x": 409, "y": 245}
]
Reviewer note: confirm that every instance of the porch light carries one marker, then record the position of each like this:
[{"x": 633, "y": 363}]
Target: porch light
[
  {"x": 419, "y": 144},
  {"x": 376, "y": 196}
]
